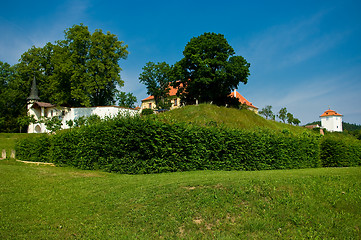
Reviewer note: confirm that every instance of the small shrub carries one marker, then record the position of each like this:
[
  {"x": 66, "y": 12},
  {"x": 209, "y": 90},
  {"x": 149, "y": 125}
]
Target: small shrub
[{"x": 147, "y": 111}]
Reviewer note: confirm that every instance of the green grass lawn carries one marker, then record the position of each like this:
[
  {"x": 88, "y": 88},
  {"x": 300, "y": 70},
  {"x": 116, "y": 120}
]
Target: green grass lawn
[
  {"x": 43, "y": 202},
  {"x": 8, "y": 140}
]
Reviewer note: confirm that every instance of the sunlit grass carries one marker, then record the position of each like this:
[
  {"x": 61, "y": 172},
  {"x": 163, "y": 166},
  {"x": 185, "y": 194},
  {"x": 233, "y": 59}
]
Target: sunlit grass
[
  {"x": 207, "y": 114},
  {"x": 8, "y": 140},
  {"x": 42, "y": 202}
]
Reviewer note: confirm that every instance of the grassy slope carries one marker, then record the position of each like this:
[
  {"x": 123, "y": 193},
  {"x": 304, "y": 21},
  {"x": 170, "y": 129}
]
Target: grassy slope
[
  {"x": 41, "y": 202},
  {"x": 206, "y": 114},
  {"x": 8, "y": 140}
]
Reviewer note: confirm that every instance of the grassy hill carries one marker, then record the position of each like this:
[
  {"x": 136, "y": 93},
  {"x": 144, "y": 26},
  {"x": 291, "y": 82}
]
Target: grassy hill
[
  {"x": 42, "y": 202},
  {"x": 207, "y": 114}
]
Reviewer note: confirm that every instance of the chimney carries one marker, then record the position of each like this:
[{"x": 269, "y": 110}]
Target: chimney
[{"x": 235, "y": 93}]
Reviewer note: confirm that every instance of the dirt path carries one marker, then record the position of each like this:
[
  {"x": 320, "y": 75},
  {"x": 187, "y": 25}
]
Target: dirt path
[{"x": 38, "y": 163}]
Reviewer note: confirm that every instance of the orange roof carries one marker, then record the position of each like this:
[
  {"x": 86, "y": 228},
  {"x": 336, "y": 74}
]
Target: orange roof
[
  {"x": 242, "y": 100},
  {"x": 172, "y": 92},
  {"x": 330, "y": 112}
]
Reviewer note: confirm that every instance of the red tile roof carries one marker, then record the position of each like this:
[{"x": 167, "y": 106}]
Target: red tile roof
[
  {"x": 330, "y": 112},
  {"x": 172, "y": 92},
  {"x": 243, "y": 100}
]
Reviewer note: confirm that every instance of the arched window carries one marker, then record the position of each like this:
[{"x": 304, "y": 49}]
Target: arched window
[{"x": 38, "y": 129}]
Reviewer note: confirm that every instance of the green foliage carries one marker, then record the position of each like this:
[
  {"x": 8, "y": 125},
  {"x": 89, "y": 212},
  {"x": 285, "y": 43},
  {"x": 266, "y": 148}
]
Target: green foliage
[
  {"x": 338, "y": 150},
  {"x": 282, "y": 114},
  {"x": 93, "y": 119},
  {"x": 36, "y": 147},
  {"x": 80, "y": 121},
  {"x": 350, "y": 126},
  {"x": 159, "y": 143},
  {"x": 296, "y": 121},
  {"x": 147, "y": 111},
  {"x": 24, "y": 121},
  {"x": 156, "y": 77},
  {"x": 12, "y": 99},
  {"x": 208, "y": 71},
  {"x": 144, "y": 145},
  {"x": 81, "y": 70},
  {"x": 52, "y": 124},
  {"x": 290, "y": 118},
  {"x": 70, "y": 123},
  {"x": 126, "y": 99},
  {"x": 267, "y": 112}
]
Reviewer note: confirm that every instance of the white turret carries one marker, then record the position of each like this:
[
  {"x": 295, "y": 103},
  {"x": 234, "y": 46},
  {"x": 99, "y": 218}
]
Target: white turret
[{"x": 331, "y": 121}]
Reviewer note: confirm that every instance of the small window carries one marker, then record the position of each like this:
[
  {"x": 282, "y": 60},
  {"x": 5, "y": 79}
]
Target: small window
[
  {"x": 150, "y": 105},
  {"x": 175, "y": 102}
]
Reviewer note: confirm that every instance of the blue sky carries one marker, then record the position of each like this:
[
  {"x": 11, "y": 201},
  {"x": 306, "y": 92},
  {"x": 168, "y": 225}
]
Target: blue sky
[{"x": 304, "y": 55}]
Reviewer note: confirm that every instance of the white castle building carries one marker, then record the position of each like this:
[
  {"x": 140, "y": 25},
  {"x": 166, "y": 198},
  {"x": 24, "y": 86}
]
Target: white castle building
[
  {"x": 47, "y": 110},
  {"x": 331, "y": 121}
]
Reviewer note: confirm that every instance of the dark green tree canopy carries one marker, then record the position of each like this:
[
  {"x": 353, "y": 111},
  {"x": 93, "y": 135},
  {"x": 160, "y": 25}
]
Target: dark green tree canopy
[
  {"x": 126, "y": 99},
  {"x": 12, "y": 100},
  {"x": 209, "y": 71},
  {"x": 81, "y": 70},
  {"x": 156, "y": 77}
]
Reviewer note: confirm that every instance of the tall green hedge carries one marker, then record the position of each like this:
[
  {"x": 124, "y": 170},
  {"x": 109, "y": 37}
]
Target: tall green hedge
[
  {"x": 139, "y": 145},
  {"x": 339, "y": 151},
  {"x": 35, "y": 148}
]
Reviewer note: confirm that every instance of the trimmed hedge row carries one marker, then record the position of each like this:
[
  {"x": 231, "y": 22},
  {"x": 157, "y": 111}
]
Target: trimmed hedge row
[
  {"x": 138, "y": 145},
  {"x": 35, "y": 148},
  {"x": 340, "y": 152}
]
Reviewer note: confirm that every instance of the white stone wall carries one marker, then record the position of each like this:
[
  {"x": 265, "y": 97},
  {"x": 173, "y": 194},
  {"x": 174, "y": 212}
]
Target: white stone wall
[
  {"x": 102, "y": 112},
  {"x": 67, "y": 114}
]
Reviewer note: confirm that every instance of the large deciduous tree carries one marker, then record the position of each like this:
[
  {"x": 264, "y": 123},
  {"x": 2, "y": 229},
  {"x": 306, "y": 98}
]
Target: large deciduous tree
[
  {"x": 81, "y": 70},
  {"x": 12, "y": 99},
  {"x": 156, "y": 77},
  {"x": 209, "y": 71}
]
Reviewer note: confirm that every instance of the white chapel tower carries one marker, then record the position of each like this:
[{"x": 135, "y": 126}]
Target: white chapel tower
[{"x": 332, "y": 121}]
